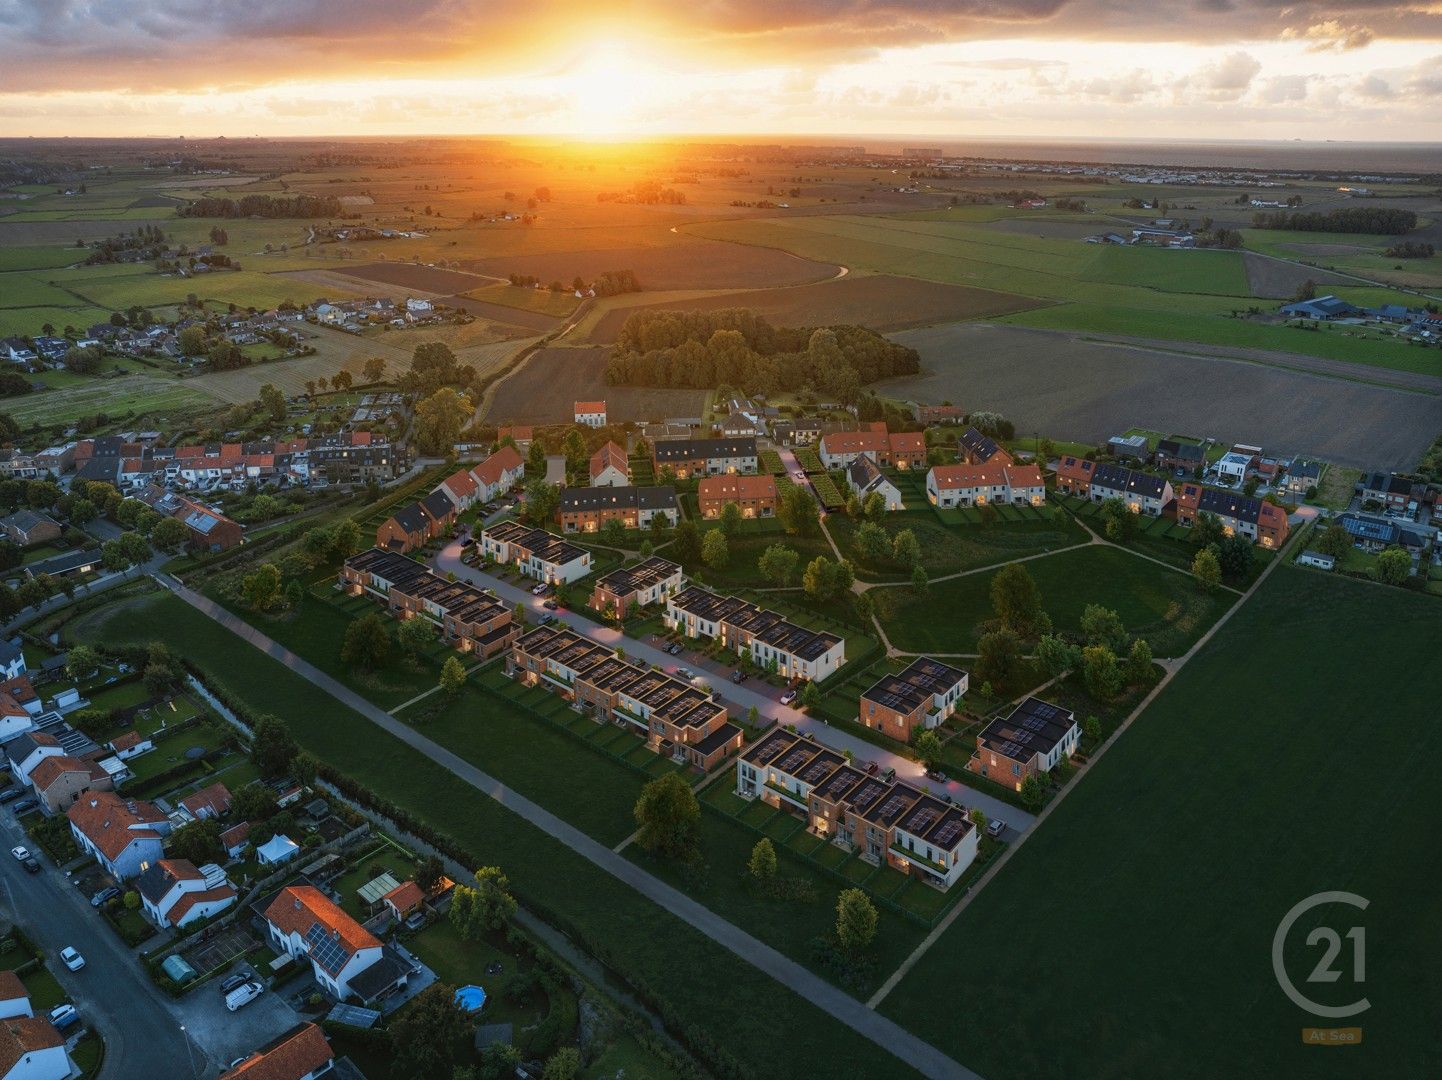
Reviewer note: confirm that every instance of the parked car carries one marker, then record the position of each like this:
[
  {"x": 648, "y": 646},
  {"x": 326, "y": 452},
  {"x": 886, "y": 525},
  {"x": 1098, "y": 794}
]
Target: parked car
[
  {"x": 550, "y": 605},
  {"x": 537, "y": 590},
  {"x": 243, "y": 995},
  {"x": 937, "y": 775},
  {"x": 995, "y": 827},
  {"x": 240, "y": 978},
  {"x": 11, "y": 793},
  {"x": 800, "y": 474},
  {"x": 72, "y": 959},
  {"x": 788, "y": 697},
  {"x": 20, "y": 853},
  {"x": 675, "y": 650},
  {"x": 104, "y": 896},
  {"x": 738, "y": 676},
  {"x": 24, "y": 806},
  {"x": 547, "y": 619},
  {"x": 62, "y": 1016},
  {"x": 683, "y": 673}
]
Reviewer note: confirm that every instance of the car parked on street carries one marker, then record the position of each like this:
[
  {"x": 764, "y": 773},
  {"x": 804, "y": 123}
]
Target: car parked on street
[
  {"x": 738, "y": 676},
  {"x": 936, "y": 775},
  {"x": 62, "y": 1016},
  {"x": 547, "y": 619},
  {"x": 538, "y": 590},
  {"x": 550, "y": 605},
  {"x": 72, "y": 959},
  {"x": 11, "y": 793},
  {"x": 788, "y": 697},
  {"x": 675, "y": 650}
]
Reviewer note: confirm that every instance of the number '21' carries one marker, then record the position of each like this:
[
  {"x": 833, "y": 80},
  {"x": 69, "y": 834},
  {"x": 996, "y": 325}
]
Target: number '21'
[{"x": 1324, "y": 972}]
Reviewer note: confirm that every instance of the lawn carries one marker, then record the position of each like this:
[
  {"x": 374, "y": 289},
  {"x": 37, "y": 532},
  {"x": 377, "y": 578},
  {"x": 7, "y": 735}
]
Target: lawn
[
  {"x": 640, "y": 940},
  {"x": 947, "y": 549},
  {"x": 744, "y": 549},
  {"x": 1163, "y": 606},
  {"x": 1224, "y": 805}
]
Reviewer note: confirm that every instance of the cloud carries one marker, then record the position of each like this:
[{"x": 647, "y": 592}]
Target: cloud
[
  {"x": 1375, "y": 88},
  {"x": 1228, "y": 78},
  {"x": 1332, "y": 35},
  {"x": 1285, "y": 88},
  {"x": 1122, "y": 88}
]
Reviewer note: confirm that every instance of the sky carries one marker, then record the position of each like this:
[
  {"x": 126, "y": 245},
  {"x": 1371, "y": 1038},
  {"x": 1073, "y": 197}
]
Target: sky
[{"x": 1166, "y": 69}]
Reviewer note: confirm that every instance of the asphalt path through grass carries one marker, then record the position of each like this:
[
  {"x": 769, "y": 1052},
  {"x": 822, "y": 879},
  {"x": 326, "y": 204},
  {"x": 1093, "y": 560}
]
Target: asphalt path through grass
[{"x": 917, "y": 1053}]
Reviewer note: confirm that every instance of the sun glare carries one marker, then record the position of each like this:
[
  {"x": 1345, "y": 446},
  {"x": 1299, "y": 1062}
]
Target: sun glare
[{"x": 609, "y": 87}]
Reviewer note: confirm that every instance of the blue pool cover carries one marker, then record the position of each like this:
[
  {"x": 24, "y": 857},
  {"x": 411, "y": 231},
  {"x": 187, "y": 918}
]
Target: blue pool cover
[{"x": 470, "y": 998}]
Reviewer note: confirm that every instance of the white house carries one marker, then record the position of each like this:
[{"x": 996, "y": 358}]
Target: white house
[
  {"x": 591, "y": 413},
  {"x": 26, "y": 751},
  {"x": 124, "y": 835},
  {"x": 609, "y": 467},
  {"x": 14, "y": 998},
  {"x": 12, "y": 661},
  {"x": 175, "y": 892},
  {"x": 304, "y": 924},
  {"x": 131, "y": 744},
  {"x": 33, "y": 1050},
  {"x": 416, "y": 306},
  {"x": 865, "y": 478},
  {"x": 499, "y": 473},
  {"x": 1233, "y": 467},
  {"x": 15, "y": 719}
]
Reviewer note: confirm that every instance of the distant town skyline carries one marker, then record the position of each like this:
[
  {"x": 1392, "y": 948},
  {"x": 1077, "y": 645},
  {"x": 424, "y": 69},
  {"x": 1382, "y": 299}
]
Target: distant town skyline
[{"x": 1233, "y": 69}]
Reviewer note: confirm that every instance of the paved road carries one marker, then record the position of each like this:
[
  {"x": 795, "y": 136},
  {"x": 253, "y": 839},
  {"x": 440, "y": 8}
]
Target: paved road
[
  {"x": 113, "y": 996},
  {"x": 740, "y": 697},
  {"x": 920, "y": 1055}
]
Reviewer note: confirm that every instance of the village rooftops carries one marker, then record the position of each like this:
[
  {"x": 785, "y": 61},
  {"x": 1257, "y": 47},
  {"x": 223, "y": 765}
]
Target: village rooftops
[
  {"x": 1033, "y": 727},
  {"x": 934, "y": 821},
  {"x": 111, "y": 822},
  {"x": 301, "y": 1051},
  {"x": 588, "y": 499},
  {"x": 461, "y": 600},
  {"x": 924, "y": 679},
  {"x": 764, "y": 624},
  {"x": 980, "y": 447},
  {"x": 638, "y": 578},
  {"x": 705, "y": 449},
  {"x": 1131, "y": 481},
  {"x": 546, "y": 546}
]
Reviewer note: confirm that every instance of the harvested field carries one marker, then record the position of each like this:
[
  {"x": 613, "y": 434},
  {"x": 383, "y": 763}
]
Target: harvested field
[
  {"x": 67, "y": 232},
  {"x": 546, "y": 387},
  {"x": 688, "y": 263},
  {"x": 1276, "y": 279},
  {"x": 153, "y": 396},
  {"x": 428, "y": 279},
  {"x": 1071, "y": 387},
  {"x": 449, "y": 285},
  {"x": 882, "y": 302},
  {"x": 529, "y": 320}
]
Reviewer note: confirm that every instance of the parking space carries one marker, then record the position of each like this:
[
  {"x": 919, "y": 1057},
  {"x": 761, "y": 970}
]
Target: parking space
[{"x": 224, "y": 1035}]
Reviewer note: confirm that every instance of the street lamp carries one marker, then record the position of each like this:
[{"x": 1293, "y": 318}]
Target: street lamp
[{"x": 189, "y": 1053}]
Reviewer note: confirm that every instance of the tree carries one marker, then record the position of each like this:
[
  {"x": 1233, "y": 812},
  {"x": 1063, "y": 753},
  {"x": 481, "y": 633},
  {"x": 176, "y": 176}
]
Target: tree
[
  {"x": 825, "y": 579},
  {"x": 1207, "y": 529},
  {"x": 613, "y": 532},
  {"x": 440, "y": 418},
  {"x": 855, "y": 921},
  {"x": 1092, "y": 728},
  {"x": 192, "y": 340},
  {"x": 1016, "y": 600},
  {"x": 82, "y": 511},
  {"x": 1394, "y": 566},
  {"x": 1236, "y": 556},
  {"x": 488, "y": 905},
  {"x": 1101, "y": 673},
  {"x": 927, "y": 745},
  {"x": 762, "y": 864},
  {"x": 1207, "y": 569},
  {"x": 374, "y": 368},
  {"x": 367, "y": 642},
  {"x": 255, "y": 802},
  {"x": 797, "y": 511},
  {"x": 669, "y": 818},
  {"x": 714, "y": 549},
  {"x": 874, "y": 506},
  {"x": 872, "y": 543},
  {"x": 1033, "y": 792},
  {"x": 536, "y": 458},
  {"x": 415, "y": 635},
  {"x": 169, "y": 533},
  {"x": 273, "y": 401},
  {"x": 342, "y": 380},
  {"x": 977, "y": 816},
  {"x": 905, "y": 549},
  {"x": 1120, "y": 522},
  {"x": 999, "y": 655},
  {"x": 777, "y": 563},
  {"x": 453, "y": 676},
  {"x": 81, "y": 662},
  {"x": 686, "y": 548},
  {"x": 919, "y": 581},
  {"x": 1056, "y": 656},
  {"x": 429, "y": 872},
  {"x": 197, "y": 842},
  {"x": 294, "y": 594},
  {"x": 541, "y": 501},
  {"x": 1335, "y": 541},
  {"x": 1139, "y": 663},
  {"x": 564, "y": 1064},
  {"x": 262, "y": 588},
  {"x": 271, "y": 748},
  {"x": 427, "y": 1034},
  {"x": 730, "y": 518},
  {"x": 1102, "y": 626}
]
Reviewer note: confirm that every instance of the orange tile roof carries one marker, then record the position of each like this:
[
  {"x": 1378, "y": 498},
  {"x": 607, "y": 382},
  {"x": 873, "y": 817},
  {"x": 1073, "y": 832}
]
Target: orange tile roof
[
  {"x": 461, "y": 484},
  {"x": 735, "y": 487},
  {"x": 506, "y": 459},
  {"x": 236, "y": 834},
  {"x": 908, "y": 442},
  {"x": 176, "y": 915},
  {"x": 992, "y": 474},
  {"x": 405, "y": 897},
  {"x": 55, "y": 766},
  {"x": 518, "y": 432},
  {"x": 21, "y": 1035},
  {"x": 109, "y": 821},
  {"x": 590, "y": 406},
  {"x": 608, "y": 455},
  {"x": 295, "y": 1054},
  {"x": 11, "y": 987},
  {"x": 125, "y": 741},
  {"x": 854, "y": 442},
  {"x": 360, "y": 438},
  {"x": 216, "y": 798},
  {"x": 1075, "y": 468},
  {"x": 9, "y": 706},
  {"x": 299, "y": 907}
]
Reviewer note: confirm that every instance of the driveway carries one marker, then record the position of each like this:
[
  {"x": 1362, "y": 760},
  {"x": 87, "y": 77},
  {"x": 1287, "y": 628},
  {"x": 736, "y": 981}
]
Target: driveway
[
  {"x": 146, "y": 1032},
  {"x": 741, "y": 698}
]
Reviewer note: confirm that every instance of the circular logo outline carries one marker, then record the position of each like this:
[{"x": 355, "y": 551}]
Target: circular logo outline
[{"x": 1279, "y": 967}]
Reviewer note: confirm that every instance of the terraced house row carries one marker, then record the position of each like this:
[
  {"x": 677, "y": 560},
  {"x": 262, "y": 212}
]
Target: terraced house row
[
  {"x": 922, "y": 696},
  {"x": 897, "y": 449},
  {"x": 648, "y": 582},
  {"x": 749, "y": 629},
  {"x": 470, "y": 619},
  {"x": 1241, "y": 515},
  {"x": 587, "y": 509},
  {"x": 886, "y": 821},
  {"x": 949, "y": 486},
  {"x": 1142, "y": 492},
  {"x": 678, "y": 720},
  {"x": 535, "y": 552},
  {"x": 703, "y": 457},
  {"x": 417, "y": 523}
]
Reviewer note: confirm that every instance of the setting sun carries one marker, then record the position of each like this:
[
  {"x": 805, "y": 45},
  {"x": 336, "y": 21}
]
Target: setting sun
[{"x": 608, "y": 87}]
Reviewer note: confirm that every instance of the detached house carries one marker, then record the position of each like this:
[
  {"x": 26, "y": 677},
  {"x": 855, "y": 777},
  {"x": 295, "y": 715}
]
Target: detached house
[
  {"x": 646, "y": 583},
  {"x": 1175, "y": 454},
  {"x": 302, "y": 1053},
  {"x": 59, "y": 779},
  {"x": 1395, "y": 493},
  {"x": 176, "y": 893},
  {"x": 922, "y": 696},
  {"x": 1031, "y": 740},
  {"x": 347, "y": 960},
  {"x": 592, "y": 414},
  {"x": 498, "y": 474},
  {"x": 124, "y": 835},
  {"x": 31, "y": 1049},
  {"x": 865, "y": 478},
  {"x": 609, "y": 467}
]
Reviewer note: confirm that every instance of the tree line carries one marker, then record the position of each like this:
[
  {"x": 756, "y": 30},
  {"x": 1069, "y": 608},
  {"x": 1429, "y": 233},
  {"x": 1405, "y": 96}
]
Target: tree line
[
  {"x": 1353, "y": 219},
  {"x": 738, "y": 347},
  {"x": 265, "y": 206}
]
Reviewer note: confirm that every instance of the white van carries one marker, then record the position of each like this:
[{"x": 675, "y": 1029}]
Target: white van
[{"x": 243, "y": 995}]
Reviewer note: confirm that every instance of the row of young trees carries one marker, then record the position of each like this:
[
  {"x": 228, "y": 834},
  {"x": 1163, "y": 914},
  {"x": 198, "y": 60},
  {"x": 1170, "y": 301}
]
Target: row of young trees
[
  {"x": 1386, "y": 220},
  {"x": 265, "y": 206}
]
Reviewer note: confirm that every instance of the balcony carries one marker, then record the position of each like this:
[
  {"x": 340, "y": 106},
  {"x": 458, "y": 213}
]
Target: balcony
[
  {"x": 789, "y": 796},
  {"x": 920, "y": 859}
]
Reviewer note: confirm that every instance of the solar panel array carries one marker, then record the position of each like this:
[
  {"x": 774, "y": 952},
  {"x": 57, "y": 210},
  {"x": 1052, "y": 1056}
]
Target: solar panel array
[
  {"x": 952, "y": 828},
  {"x": 325, "y": 950}
]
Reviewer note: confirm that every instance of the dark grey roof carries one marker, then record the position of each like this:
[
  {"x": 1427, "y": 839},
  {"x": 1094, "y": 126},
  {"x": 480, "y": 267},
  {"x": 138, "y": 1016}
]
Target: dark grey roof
[
  {"x": 412, "y": 518},
  {"x": 618, "y": 498},
  {"x": 977, "y": 445},
  {"x": 438, "y": 504},
  {"x": 1033, "y": 727},
  {"x": 919, "y": 682},
  {"x": 1183, "y": 451},
  {"x": 688, "y": 449},
  {"x": 1120, "y": 478}
]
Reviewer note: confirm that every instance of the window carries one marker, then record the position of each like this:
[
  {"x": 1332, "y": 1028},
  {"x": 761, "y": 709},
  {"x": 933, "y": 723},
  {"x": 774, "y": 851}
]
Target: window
[{"x": 1016, "y": 770}]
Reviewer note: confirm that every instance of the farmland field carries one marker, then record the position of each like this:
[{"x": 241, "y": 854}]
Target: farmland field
[
  {"x": 882, "y": 302},
  {"x": 1073, "y": 388},
  {"x": 546, "y": 386},
  {"x": 1238, "y": 769},
  {"x": 1167, "y": 608},
  {"x": 1278, "y": 279},
  {"x": 154, "y": 396}
]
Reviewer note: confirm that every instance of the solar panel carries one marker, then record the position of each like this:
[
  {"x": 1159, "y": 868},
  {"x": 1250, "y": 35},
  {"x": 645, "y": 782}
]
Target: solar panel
[{"x": 325, "y": 950}]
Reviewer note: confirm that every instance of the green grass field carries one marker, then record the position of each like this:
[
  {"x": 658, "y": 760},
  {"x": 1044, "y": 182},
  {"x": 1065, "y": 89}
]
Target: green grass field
[
  {"x": 647, "y": 945},
  {"x": 1144, "y": 910},
  {"x": 1165, "y": 607},
  {"x": 947, "y": 549}
]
